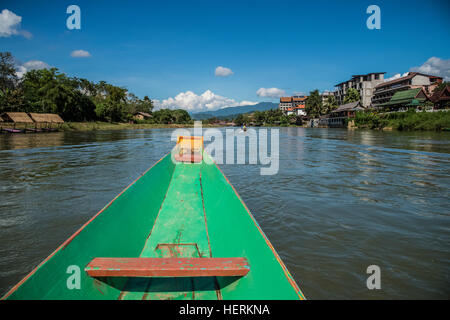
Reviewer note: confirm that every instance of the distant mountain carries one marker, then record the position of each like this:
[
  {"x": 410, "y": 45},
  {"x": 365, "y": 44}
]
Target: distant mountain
[{"x": 232, "y": 112}]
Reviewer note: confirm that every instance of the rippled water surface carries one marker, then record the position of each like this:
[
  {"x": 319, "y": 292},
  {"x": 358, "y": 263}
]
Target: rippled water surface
[{"x": 341, "y": 201}]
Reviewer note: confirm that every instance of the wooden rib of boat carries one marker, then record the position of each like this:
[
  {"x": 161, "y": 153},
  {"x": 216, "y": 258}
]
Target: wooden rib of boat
[{"x": 180, "y": 231}]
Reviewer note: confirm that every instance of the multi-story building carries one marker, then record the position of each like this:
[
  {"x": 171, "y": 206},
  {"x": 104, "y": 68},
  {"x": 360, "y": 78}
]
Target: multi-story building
[
  {"x": 404, "y": 100},
  {"x": 298, "y": 101},
  {"x": 293, "y": 105},
  {"x": 413, "y": 80},
  {"x": 285, "y": 104},
  {"x": 364, "y": 83}
]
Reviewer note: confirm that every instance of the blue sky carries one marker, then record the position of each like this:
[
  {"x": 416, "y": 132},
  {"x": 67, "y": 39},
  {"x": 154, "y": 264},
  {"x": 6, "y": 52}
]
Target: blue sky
[{"x": 167, "y": 48}]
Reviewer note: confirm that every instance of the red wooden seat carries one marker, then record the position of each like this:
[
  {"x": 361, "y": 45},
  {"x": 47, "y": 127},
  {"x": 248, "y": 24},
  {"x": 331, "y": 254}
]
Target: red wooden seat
[
  {"x": 167, "y": 267},
  {"x": 192, "y": 157}
]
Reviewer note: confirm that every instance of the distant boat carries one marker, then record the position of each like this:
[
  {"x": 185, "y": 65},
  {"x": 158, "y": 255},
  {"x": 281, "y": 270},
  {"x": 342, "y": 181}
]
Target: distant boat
[
  {"x": 180, "y": 231},
  {"x": 9, "y": 130},
  {"x": 33, "y": 130}
]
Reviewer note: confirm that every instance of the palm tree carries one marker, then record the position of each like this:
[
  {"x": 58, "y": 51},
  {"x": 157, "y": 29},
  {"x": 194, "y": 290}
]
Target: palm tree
[
  {"x": 330, "y": 104},
  {"x": 314, "y": 104},
  {"x": 351, "y": 96}
]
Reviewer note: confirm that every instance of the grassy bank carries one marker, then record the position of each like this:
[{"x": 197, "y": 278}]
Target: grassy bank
[
  {"x": 98, "y": 125},
  {"x": 407, "y": 121}
]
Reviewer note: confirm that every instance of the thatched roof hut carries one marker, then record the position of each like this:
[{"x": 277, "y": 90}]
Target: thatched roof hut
[
  {"x": 46, "y": 118},
  {"x": 16, "y": 117},
  {"x": 141, "y": 115},
  {"x": 39, "y": 117},
  {"x": 55, "y": 118}
]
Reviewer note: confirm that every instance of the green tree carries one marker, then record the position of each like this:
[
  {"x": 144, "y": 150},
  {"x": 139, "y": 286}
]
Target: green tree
[
  {"x": 329, "y": 105},
  {"x": 284, "y": 120},
  {"x": 181, "y": 116},
  {"x": 351, "y": 96},
  {"x": 86, "y": 87},
  {"x": 110, "y": 102},
  {"x": 313, "y": 105},
  {"x": 8, "y": 76},
  {"x": 138, "y": 105},
  {"x": 259, "y": 118},
  {"x": 168, "y": 116},
  {"x": 11, "y": 96},
  {"x": 75, "y": 99},
  {"x": 273, "y": 116},
  {"x": 239, "y": 120},
  {"x": 211, "y": 120},
  {"x": 47, "y": 91}
]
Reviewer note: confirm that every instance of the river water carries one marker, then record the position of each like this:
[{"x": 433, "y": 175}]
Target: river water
[{"x": 341, "y": 201}]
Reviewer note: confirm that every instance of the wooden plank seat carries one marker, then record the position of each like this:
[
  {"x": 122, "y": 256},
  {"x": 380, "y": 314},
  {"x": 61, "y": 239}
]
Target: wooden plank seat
[
  {"x": 189, "y": 149},
  {"x": 189, "y": 157},
  {"x": 167, "y": 267}
]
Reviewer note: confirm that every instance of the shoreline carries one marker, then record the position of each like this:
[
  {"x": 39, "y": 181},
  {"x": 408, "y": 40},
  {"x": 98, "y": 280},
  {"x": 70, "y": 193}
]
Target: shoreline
[
  {"x": 104, "y": 126},
  {"x": 98, "y": 126}
]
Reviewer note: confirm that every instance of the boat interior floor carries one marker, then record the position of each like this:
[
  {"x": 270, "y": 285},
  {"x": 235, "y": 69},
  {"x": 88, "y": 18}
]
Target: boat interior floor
[{"x": 180, "y": 230}]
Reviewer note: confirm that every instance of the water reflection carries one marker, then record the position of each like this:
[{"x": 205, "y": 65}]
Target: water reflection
[
  {"x": 342, "y": 200},
  {"x": 31, "y": 140}
]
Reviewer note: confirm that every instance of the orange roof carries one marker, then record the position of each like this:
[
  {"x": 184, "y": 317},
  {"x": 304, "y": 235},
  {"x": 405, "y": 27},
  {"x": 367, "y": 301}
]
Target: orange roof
[
  {"x": 285, "y": 99},
  {"x": 289, "y": 109},
  {"x": 300, "y": 107},
  {"x": 299, "y": 99}
]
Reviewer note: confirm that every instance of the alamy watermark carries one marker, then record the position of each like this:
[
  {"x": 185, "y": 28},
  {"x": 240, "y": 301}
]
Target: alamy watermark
[
  {"x": 374, "y": 20},
  {"x": 74, "y": 279},
  {"x": 74, "y": 20},
  {"x": 224, "y": 149},
  {"x": 374, "y": 280}
]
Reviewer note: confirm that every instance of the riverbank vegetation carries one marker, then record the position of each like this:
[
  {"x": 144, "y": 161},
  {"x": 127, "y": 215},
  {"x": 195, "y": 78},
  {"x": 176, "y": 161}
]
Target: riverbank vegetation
[
  {"x": 315, "y": 107},
  {"x": 273, "y": 117},
  {"x": 99, "y": 125},
  {"x": 75, "y": 99},
  {"x": 410, "y": 120}
]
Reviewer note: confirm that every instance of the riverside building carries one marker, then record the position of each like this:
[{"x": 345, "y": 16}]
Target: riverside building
[{"x": 364, "y": 83}]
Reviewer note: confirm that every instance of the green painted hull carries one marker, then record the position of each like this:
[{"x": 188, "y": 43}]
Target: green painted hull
[{"x": 192, "y": 206}]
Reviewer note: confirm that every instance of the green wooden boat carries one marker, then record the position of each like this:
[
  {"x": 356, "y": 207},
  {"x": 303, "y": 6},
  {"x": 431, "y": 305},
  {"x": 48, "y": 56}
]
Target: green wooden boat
[{"x": 180, "y": 231}]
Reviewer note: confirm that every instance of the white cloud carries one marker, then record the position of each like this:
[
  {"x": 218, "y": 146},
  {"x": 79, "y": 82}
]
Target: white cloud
[
  {"x": 35, "y": 64},
  {"x": 396, "y": 76},
  {"x": 270, "y": 92},
  {"x": 247, "y": 103},
  {"x": 30, "y": 65},
  {"x": 80, "y": 54},
  {"x": 10, "y": 25},
  {"x": 436, "y": 67},
  {"x": 223, "y": 72},
  {"x": 207, "y": 101}
]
